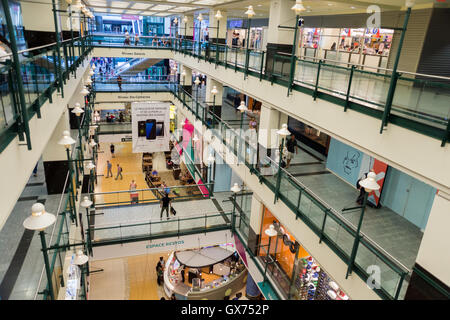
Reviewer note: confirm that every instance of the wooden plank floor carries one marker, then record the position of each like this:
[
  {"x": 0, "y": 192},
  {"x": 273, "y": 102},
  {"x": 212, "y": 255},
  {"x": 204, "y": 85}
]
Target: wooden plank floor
[
  {"x": 133, "y": 278},
  {"x": 131, "y": 164}
]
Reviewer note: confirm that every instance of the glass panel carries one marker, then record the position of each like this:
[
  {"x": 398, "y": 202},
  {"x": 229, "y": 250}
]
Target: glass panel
[
  {"x": 369, "y": 87},
  {"x": 306, "y": 72},
  {"x": 289, "y": 189},
  {"x": 335, "y": 79},
  {"x": 424, "y": 100},
  {"x": 368, "y": 262},
  {"x": 311, "y": 210},
  {"x": 341, "y": 237}
]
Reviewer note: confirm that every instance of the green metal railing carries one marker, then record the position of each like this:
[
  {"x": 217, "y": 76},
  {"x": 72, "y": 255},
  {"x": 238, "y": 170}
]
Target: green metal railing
[
  {"x": 148, "y": 196},
  {"x": 41, "y": 74},
  {"x": 419, "y": 103},
  {"x": 157, "y": 228},
  {"x": 66, "y": 215},
  {"x": 331, "y": 227}
]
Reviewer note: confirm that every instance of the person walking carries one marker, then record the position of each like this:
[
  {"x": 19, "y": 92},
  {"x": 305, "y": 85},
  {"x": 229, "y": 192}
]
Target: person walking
[
  {"x": 119, "y": 82},
  {"x": 133, "y": 194},
  {"x": 119, "y": 172},
  {"x": 292, "y": 148},
  {"x": 165, "y": 202},
  {"x": 35, "y": 170},
  {"x": 159, "y": 274},
  {"x": 111, "y": 148},
  {"x": 109, "y": 169},
  {"x": 136, "y": 39}
]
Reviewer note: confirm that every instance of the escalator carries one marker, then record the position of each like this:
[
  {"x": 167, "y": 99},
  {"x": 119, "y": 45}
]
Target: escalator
[{"x": 136, "y": 66}]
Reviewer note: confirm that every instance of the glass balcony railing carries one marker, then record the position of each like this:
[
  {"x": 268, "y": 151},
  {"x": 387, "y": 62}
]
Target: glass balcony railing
[
  {"x": 42, "y": 72},
  {"x": 331, "y": 226},
  {"x": 420, "y": 102},
  {"x": 162, "y": 83},
  {"x": 156, "y": 228},
  {"x": 148, "y": 196}
]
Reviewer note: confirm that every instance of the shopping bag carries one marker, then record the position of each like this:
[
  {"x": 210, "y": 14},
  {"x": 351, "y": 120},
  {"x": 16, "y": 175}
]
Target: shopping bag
[{"x": 173, "y": 211}]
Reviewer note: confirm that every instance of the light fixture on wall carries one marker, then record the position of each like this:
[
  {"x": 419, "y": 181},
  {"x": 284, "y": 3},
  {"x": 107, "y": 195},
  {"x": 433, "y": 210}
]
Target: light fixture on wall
[
  {"x": 235, "y": 188},
  {"x": 298, "y": 7},
  {"x": 84, "y": 91},
  {"x": 250, "y": 12},
  {"x": 39, "y": 221},
  {"x": 218, "y": 15},
  {"x": 77, "y": 110},
  {"x": 242, "y": 107}
]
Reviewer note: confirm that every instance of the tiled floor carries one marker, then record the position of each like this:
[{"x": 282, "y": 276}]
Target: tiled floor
[
  {"x": 21, "y": 262},
  {"x": 393, "y": 233},
  {"x": 135, "y": 220}
]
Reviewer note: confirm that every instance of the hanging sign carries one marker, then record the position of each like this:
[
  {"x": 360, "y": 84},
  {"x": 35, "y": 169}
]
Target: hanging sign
[{"x": 150, "y": 126}]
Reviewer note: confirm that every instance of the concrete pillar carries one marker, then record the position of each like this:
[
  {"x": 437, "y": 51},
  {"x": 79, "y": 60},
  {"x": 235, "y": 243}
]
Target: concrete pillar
[
  {"x": 279, "y": 40},
  {"x": 256, "y": 214},
  {"x": 213, "y": 26},
  {"x": 433, "y": 260},
  {"x": 187, "y": 83},
  {"x": 187, "y": 28},
  {"x": 54, "y": 157},
  {"x": 209, "y": 97},
  {"x": 270, "y": 122},
  {"x": 38, "y": 23}
]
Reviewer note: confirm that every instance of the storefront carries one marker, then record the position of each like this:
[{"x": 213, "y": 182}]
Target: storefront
[
  {"x": 294, "y": 270},
  {"x": 209, "y": 273},
  {"x": 313, "y": 138},
  {"x": 237, "y": 33},
  {"x": 368, "y": 47}
]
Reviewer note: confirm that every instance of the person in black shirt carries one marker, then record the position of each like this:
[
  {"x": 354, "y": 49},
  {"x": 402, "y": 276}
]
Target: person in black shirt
[
  {"x": 292, "y": 148},
  {"x": 165, "y": 201},
  {"x": 111, "y": 148}
]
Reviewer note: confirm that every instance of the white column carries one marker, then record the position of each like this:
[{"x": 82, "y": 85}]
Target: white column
[
  {"x": 281, "y": 14},
  {"x": 187, "y": 28},
  {"x": 435, "y": 246},
  {"x": 53, "y": 151},
  {"x": 256, "y": 214},
  {"x": 210, "y": 83},
  {"x": 188, "y": 77},
  {"x": 213, "y": 25},
  {"x": 270, "y": 121}
]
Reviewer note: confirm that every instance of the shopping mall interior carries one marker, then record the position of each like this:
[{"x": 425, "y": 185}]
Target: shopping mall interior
[{"x": 225, "y": 150}]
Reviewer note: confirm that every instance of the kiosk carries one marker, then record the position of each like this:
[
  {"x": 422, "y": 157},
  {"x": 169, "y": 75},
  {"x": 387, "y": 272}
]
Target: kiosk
[{"x": 209, "y": 273}]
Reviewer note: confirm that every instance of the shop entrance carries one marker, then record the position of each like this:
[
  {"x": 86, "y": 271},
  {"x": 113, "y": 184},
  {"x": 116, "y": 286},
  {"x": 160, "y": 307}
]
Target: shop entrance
[{"x": 295, "y": 271}]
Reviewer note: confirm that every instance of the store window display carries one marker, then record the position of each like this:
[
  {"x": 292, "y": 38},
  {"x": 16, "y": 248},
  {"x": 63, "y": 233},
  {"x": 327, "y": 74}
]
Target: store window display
[
  {"x": 297, "y": 273},
  {"x": 361, "y": 46}
]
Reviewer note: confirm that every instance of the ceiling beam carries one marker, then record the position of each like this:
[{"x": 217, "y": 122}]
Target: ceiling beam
[
  {"x": 358, "y": 3},
  {"x": 150, "y": 2}
]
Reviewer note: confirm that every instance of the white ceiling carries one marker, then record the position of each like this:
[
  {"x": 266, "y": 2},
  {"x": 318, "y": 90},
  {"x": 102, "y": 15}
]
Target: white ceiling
[{"x": 236, "y": 8}]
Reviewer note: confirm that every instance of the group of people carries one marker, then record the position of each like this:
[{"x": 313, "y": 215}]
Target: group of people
[
  {"x": 127, "y": 40},
  {"x": 109, "y": 170},
  {"x": 111, "y": 118}
]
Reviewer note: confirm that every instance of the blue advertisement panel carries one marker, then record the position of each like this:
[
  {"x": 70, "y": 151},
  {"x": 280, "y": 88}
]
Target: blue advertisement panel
[{"x": 346, "y": 161}]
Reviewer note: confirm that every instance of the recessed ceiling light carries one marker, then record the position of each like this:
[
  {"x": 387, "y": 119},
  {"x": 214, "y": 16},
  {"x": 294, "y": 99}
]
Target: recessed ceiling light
[
  {"x": 352, "y": 7},
  {"x": 330, "y": 4}
]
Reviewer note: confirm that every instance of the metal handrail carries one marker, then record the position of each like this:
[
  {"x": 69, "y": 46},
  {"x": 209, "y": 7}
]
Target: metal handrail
[
  {"x": 362, "y": 65},
  {"x": 329, "y": 208},
  {"x": 150, "y": 189},
  {"x": 135, "y": 223}
]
